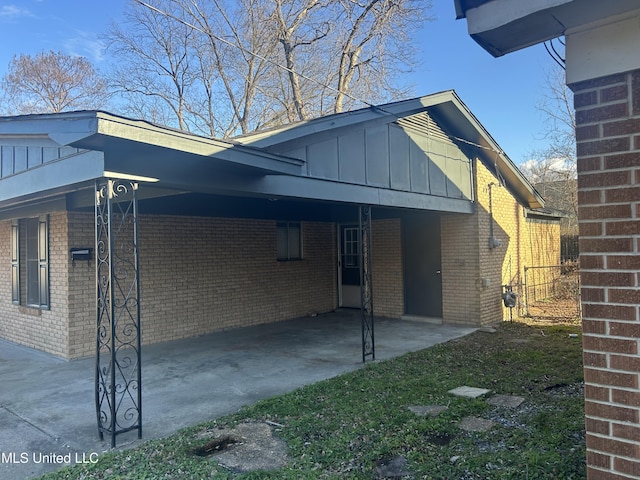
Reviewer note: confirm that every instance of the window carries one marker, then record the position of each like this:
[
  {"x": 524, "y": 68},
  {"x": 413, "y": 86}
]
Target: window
[
  {"x": 350, "y": 249},
  {"x": 30, "y": 247},
  {"x": 289, "y": 240}
]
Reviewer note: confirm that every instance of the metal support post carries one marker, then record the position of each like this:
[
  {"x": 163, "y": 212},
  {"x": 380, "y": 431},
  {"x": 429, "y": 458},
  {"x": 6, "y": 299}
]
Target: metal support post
[
  {"x": 366, "y": 283},
  {"x": 118, "y": 381}
]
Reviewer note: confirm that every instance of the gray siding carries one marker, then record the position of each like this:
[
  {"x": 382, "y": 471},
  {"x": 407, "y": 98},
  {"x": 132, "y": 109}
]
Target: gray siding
[
  {"x": 389, "y": 156},
  {"x": 19, "y": 155}
]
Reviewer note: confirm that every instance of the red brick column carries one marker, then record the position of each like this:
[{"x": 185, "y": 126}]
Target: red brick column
[{"x": 608, "y": 142}]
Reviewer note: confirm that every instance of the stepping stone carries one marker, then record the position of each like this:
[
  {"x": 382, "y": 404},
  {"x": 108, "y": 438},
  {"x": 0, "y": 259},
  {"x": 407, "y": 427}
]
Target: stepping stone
[
  {"x": 427, "y": 410},
  {"x": 475, "y": 424},
  {"x": 509, "y": 401},
  {"x": 469, "y": 392}
]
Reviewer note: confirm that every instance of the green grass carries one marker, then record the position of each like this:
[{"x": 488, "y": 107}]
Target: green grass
[{"x": 341, "y": 427}]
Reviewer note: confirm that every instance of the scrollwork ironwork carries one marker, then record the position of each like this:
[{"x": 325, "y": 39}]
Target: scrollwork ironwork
[
  {"x": 366, "y": 283},
  {"x": 118, "y": 393}
]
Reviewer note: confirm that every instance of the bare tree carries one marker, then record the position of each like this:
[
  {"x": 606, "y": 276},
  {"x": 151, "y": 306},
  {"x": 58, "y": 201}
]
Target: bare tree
[
  {"x": 553, "y": 169},
  {"x": 226, "y": 67},
  {"x": 51, "y": 82},
  {"x": 152, "y": 64},
  {"x": 560, "y": 123},
  {"x": 237, "y": 39},
  {"x": 351, "y": 51},
  {"x": 290, "y": 19},
  {"x": 373, "y": 41}
]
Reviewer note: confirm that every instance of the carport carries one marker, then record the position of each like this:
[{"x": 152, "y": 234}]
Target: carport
[{"x": 121, "y": 170}]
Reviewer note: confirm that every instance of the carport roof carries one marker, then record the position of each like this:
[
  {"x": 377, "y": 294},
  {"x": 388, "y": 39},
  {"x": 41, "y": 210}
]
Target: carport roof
[
  {"x": 108, "y": 145},
  {"x": 251, "y": 165}
]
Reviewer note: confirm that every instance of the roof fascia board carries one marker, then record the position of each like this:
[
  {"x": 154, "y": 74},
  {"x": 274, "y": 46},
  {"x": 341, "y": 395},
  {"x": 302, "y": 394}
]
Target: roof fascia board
[
  {"x": 505, "y": 26},
  {"x": 543, "y": 215},
  {"x": 389, "y": 111},
  {"x": 143, "y": 132},
  {"x": 284, "y": 186},
  {"x": 322, "y": 190},
  {"x": 527, "y": 192},
  {"x": 497, "y": 13}
]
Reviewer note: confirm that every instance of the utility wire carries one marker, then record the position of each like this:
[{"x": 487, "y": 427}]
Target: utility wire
[{"x": 554, "y": 54}]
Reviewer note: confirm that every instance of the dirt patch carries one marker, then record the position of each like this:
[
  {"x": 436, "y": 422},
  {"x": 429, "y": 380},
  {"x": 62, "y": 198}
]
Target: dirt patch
[
  {"x": 440, "y": 438},
  {"x": 216, "y": 445},
  {"x": 392, "y": 468},
  {"x": 556, "y": 310},
  {"x": 247, "y": 447}
]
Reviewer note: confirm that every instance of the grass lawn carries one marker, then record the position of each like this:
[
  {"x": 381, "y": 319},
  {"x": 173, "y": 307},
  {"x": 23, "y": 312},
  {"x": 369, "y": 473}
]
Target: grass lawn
[{"x": 352, "y": 425}]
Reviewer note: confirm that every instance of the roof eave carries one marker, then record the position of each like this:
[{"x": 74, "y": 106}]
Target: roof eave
[
  {"x": 269, "y": 137},
  {"x": 97, "y": 130},
  {"x": 504, "y": 26},
  {"x": 494, "y": 157}
]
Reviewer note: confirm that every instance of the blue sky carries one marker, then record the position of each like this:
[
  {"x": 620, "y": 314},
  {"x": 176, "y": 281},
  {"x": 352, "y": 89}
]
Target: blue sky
[{"x": 502, "y": 93}]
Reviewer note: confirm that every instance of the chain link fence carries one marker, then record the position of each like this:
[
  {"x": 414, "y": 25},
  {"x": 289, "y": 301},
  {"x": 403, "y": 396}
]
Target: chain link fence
[{"x": 551, "y": 291}]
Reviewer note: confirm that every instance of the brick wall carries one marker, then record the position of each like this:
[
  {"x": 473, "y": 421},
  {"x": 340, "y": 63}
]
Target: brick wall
[
  {"x": 608, "y": 146},
  {"x": 386, "y": 261},
  {"x": 198, "y": 275},
  {"x": 460, "y": 269},
  {"x": 472, "y": 273},
  {"x": 82, "y": 287},
  {"x": 44, "y": 329},
  {"x": 223, "y": 273}
]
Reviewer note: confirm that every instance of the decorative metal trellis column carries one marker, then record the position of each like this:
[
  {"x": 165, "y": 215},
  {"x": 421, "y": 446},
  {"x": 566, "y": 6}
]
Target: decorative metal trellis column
[
  {"x": 366, "y": 283},
  {"x": 118, "y": 387}
]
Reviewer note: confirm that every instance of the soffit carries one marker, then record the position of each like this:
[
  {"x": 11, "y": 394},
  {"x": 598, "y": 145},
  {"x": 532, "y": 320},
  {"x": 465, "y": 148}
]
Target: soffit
[{"x": 504, "y": 26}]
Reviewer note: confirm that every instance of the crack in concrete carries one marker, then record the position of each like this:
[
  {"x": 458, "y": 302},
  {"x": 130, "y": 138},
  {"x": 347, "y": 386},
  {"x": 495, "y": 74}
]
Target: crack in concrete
[{"x": 28, "y": 422}]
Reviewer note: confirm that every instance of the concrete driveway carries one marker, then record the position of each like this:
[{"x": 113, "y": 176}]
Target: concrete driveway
[{"x": 47, "y": 404}]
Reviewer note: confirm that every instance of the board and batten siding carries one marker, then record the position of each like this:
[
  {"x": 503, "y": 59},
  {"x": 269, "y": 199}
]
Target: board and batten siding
[
  {"x": 404, "y": 155},
  {"x": 18, "y": 155}
]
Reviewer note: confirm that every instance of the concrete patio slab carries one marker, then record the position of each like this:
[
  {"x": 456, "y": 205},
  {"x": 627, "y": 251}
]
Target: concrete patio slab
[{"x": 47, "y": 411}]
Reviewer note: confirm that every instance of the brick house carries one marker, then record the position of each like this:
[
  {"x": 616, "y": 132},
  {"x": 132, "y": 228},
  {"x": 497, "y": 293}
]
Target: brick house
[
  {"x": 264, "y": 227},
  {"x": 603, "y": 70}
]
